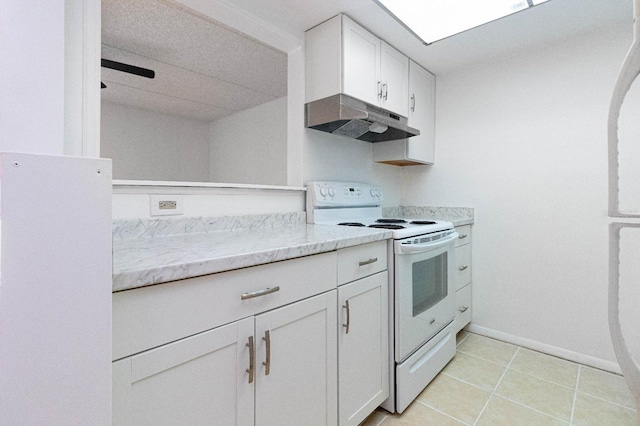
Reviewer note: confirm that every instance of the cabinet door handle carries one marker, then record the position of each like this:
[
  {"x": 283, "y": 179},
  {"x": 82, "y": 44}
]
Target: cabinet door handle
[
  {"x": 413, "y": 102},
  {"x": 367, "y": 262},
  {"x": 380, "y": 89},
  {"x": 346, "y": 306},
  {"x": 259, "y": 293},
  {"x": 464, "y": 309},
  {"x": 267, "y": 362},
  {"x": 462, "y": 268},
  {"x": 251, "y": 368},
  {"x": 462, "y": 236},
  {"x": 385, "y": 88}
]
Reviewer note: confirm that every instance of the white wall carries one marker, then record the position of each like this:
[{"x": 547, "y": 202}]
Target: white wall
[
  {"x": 522, "y": 139},
  {"x": 146, "y": 145},
  {"x": 32, "y": 76},
  {"x": 251, "y": 146},
  {"x": 336, "y": 158}
]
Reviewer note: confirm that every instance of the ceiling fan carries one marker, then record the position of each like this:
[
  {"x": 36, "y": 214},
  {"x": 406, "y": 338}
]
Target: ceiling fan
[{"x": 131, "y": 69}]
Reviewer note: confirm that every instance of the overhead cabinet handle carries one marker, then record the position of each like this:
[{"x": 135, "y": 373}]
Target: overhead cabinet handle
[
  {"x": 259, "y": 293},
  {"x": 413, "y": 103}
]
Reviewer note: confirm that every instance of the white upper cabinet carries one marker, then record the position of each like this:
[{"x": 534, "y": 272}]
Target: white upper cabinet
[
  {"x": 422, "y": 116},
  {"x": 394, "y": 78},
  {"x": 343, "y": 57}
]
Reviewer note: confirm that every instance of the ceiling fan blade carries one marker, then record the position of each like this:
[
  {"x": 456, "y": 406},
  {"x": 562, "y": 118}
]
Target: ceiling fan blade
[{"x": 131, "y": 69}]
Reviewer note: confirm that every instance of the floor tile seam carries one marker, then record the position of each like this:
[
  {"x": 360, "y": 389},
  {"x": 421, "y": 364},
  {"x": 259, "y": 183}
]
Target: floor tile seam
[
  {"x": 522, "y": 404},
  {"x": 383, "y": 419},
  {"x": 575, "y": 393},
  {"x": 465, "y": 382},
  {"x": 543, "y": 379},
  {"x": 442, "y": 412},
  {"x": 607, "y": 400},
  {"x": 532, "y": 408},
  {"x": 493, "y": 391},
  {"x": 483, "y": 359}
]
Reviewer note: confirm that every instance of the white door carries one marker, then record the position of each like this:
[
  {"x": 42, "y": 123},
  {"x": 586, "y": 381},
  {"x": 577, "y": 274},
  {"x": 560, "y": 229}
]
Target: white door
[
  {"x": 361, "y": 62},
  {"x": 394, "y": 72},
  {"x": 362, "y": 347},
  {"x": 296, "y": 357},
  {"x": 422, "y": 88},
  {"x": 198, "y": 380}
]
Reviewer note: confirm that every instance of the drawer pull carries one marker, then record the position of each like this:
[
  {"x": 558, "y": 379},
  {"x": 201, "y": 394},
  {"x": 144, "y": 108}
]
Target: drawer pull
[
  {"x": 251, "y": 368},
  {"x": 464, "y": 309},
  {"x": 462, "y": 268},
  {"x": 267, "y": 362},
  {"x": 259, "y": 293},
  {"x": 368, "y": 262},
  {"x": 462, "y": 236},
  {"x": 346, "y": 306}
]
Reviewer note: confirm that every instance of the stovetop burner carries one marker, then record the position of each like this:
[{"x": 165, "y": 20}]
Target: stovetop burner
[
  {"x": 351, "y": 224},
  {"x": 423, "y": 222},
  {"x": 387, "y": 226},
  {"x": 391, "y": 221}
]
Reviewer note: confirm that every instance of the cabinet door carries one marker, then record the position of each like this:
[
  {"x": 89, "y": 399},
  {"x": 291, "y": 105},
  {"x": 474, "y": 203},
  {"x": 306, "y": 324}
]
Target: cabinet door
[
  {"x": 394, "y": 74},
  {"x": 422, "y": 88},
  {"x": 363, "y": 356},
  {"x": 197, "y": 380},
  {"x": 297, "y": 344},
  {"x": 361, "y": 62},
  {"x": 463, "y": 266}
]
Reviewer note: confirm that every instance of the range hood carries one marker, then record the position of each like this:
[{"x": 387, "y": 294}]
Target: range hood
[{"x": 346, "y": 116}]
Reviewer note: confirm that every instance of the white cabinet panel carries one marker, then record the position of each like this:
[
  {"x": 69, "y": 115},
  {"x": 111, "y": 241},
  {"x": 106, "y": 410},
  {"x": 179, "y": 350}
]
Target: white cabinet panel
[
  {"x": 359, "y": 261},
  {"x": 421, "y": 115},
  {"x": 463, "y": 266},
  {"x": 463, "y": 307},
  {"x": 367, "y": 69},
  {"x": 300, "y": 352},
  {"x": 197, "y": 380},
  {"x": 394, "y": 77},
  {"x": 363, "y": 347},
  {"x": 361, "y": 62}
]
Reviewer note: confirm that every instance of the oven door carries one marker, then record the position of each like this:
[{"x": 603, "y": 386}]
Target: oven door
[{"x": 425, "y": 301}]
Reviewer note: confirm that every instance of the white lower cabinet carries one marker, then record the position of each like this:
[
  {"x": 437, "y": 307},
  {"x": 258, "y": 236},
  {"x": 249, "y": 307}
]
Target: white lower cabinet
[
  {"x": 463, "y": 277},
  {"x": 283, "y": 373},
  {"x": 362, "y": 348},
  {"x": 198, "y": 380},
  {"x": 297, "y": 344}
]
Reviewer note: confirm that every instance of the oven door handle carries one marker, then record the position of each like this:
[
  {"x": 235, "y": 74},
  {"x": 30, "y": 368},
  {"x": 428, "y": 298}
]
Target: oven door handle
[{"x": 417, "y": 248}]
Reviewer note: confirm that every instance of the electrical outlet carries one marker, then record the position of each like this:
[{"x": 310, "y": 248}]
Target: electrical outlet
[{"x": 166, "y": 205}]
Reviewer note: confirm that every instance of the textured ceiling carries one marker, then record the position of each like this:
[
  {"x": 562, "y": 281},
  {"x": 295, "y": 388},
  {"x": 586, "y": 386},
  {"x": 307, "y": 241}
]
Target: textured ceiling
[{"x": 203, "y": 69}]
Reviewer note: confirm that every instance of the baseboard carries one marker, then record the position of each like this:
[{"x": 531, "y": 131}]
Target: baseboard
[{"x": 547, "y": 349}]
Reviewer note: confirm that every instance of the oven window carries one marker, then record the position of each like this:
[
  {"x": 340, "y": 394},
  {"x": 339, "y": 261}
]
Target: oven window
[{"x": 429, "y": 283}]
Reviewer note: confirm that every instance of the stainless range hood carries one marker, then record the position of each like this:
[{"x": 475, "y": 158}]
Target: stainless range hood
[{"x": 346, "y": 116}]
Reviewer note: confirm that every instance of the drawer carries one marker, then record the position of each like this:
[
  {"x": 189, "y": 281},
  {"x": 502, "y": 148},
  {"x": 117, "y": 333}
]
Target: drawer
[
  {"x": 148, "y": 317},
  {"x": 462, "y": 268},
  {"x": 463, "y": 307},
  {"x": 464, "y": 235},
  {"x": 361, "y": 261}
]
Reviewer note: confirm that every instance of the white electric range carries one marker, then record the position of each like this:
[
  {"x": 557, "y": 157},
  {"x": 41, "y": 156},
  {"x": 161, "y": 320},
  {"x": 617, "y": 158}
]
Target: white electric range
[{"x": 421, "y": 293}]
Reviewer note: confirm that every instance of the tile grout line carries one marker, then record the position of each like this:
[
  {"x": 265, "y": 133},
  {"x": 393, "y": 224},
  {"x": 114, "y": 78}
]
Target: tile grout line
[
  {"x": 575, "y": 394},
  {"x": 441, "y": 412},
  {"x": 493, "y": 391}
]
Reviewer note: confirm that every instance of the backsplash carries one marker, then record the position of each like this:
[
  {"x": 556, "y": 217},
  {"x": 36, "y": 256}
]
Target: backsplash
[
  {"x": 148, "y": 228},
  {"x": 457, "y": 215}
]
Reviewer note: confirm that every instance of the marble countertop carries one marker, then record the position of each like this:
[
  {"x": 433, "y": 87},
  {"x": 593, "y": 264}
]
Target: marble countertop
[{"x": 147, "y": 260}]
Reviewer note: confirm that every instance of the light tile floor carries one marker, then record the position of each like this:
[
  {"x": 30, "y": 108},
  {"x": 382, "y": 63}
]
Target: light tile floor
[{"x": 495, "y": 383}]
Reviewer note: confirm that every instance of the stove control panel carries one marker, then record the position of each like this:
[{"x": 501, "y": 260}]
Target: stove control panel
[{"x": 343, "y": 194}]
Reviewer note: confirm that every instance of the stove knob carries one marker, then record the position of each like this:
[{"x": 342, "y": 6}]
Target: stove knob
[
  {"x": 373, "y": 192},
  {"x": 323, "y": 191},
  {"x": 332, "y": 191}
]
